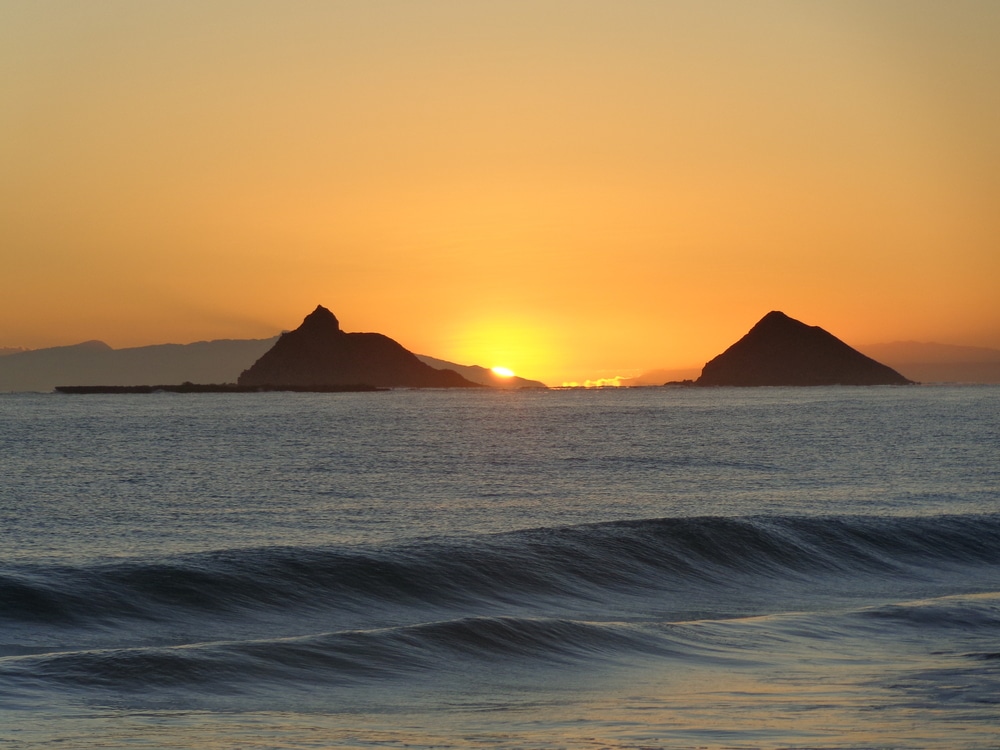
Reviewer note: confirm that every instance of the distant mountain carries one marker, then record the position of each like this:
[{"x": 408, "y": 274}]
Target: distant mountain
[
  {"x": 780, "y": 350},
  {"x": 481, "y": 375},
  {"x": 96, "y": 363},
  {"x": 939, "y": 363},
  {"x": 318, "y": 353}
]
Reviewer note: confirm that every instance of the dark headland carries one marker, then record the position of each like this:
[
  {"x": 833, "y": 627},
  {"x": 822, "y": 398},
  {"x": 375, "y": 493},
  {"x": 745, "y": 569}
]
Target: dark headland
[
  {"x": 318, "y": 354},
  {"x": 781, "y": 351},
  {"x": 211, "y": 388}
]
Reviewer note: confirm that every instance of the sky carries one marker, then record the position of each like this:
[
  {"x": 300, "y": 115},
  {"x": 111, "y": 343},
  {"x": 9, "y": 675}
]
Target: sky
[{"x": 572, "y": 189}]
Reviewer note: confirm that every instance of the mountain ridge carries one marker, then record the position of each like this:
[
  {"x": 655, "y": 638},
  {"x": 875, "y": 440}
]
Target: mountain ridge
[{"x": 96, "y": 363}]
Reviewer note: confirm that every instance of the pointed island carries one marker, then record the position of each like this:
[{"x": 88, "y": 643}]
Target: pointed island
[
  {"x": 780, "y": 350},
  {"x": 319, "y": 354}
]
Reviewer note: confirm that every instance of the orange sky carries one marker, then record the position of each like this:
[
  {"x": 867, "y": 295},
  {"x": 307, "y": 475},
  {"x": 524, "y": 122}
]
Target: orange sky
[{"x": 572, "y": 189}]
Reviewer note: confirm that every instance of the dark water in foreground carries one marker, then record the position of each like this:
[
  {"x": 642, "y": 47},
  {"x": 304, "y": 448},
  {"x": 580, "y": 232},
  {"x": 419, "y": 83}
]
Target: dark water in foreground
[{"x": 721, "y": 568}]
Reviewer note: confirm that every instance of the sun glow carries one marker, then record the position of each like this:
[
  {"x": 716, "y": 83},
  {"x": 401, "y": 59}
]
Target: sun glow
[{"x": 519, "y": 344}]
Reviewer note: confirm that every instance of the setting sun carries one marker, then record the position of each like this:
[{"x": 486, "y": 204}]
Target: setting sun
[{"x": 503, "y": 372}]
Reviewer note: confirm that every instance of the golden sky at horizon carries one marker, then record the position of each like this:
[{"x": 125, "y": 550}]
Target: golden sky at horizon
[{"x": 574, "y": 190}]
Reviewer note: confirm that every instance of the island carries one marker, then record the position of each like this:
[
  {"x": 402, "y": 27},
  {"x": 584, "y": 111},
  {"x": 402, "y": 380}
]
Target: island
[
  {"x": 319, "y": 354},
  {"x": 782, "y": 351}
]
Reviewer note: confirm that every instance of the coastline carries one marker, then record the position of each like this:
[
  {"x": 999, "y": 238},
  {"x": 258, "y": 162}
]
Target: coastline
[{"x": 213, "y": 388}]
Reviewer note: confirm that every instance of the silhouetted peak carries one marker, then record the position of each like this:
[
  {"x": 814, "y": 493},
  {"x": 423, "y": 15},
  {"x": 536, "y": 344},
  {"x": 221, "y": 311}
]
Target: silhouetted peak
[
  {"x": 320, "y": 320},
  {"x": 777, "y": 320},
  {"x": 780, "y": 350},
  {"x": 318, "y": 353}
]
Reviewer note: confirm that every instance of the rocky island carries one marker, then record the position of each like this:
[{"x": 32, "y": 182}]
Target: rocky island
[
  {"x": 780, "y": 350},
  {"x": 318, "y": 354}
]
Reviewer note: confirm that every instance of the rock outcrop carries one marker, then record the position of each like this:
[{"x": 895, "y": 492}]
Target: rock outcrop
[
  {"x": 318, "y": 353},
  {"x": 782, "y": 351}
]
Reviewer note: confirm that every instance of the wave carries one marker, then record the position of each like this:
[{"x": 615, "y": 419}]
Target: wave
[
  {"x": 978, "y": 613},
  {"x": 346, "y": 657},
  {"x": 476, "y": 646},
  {"x": 584, "y": 563}
]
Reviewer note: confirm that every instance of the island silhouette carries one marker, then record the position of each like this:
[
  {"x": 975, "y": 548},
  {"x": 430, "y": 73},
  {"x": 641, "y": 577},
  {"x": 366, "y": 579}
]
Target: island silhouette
[
  {"x": 319, "y": 354},
  {"x": 93, "y": 366},
  {"x": 782, "y": 351}
]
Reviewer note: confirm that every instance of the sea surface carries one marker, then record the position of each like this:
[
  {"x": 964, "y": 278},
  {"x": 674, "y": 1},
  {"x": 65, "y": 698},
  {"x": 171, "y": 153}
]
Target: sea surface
[{"x": 618, "y": 568}]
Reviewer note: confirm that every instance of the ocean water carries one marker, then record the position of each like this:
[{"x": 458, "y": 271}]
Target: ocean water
[{"x": 631, "y": 568}]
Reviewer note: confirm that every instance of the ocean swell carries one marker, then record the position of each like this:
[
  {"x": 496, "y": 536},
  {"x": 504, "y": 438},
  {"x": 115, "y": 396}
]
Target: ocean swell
[{"x": 581, "y": 563}]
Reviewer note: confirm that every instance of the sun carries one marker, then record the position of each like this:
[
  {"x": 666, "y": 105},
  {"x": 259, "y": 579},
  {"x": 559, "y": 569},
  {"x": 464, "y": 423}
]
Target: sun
[{"x": 503, "y": 372}]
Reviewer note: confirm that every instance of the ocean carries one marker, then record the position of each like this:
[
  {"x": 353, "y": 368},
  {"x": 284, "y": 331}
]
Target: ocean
[{"x": 613, "y": 568}]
